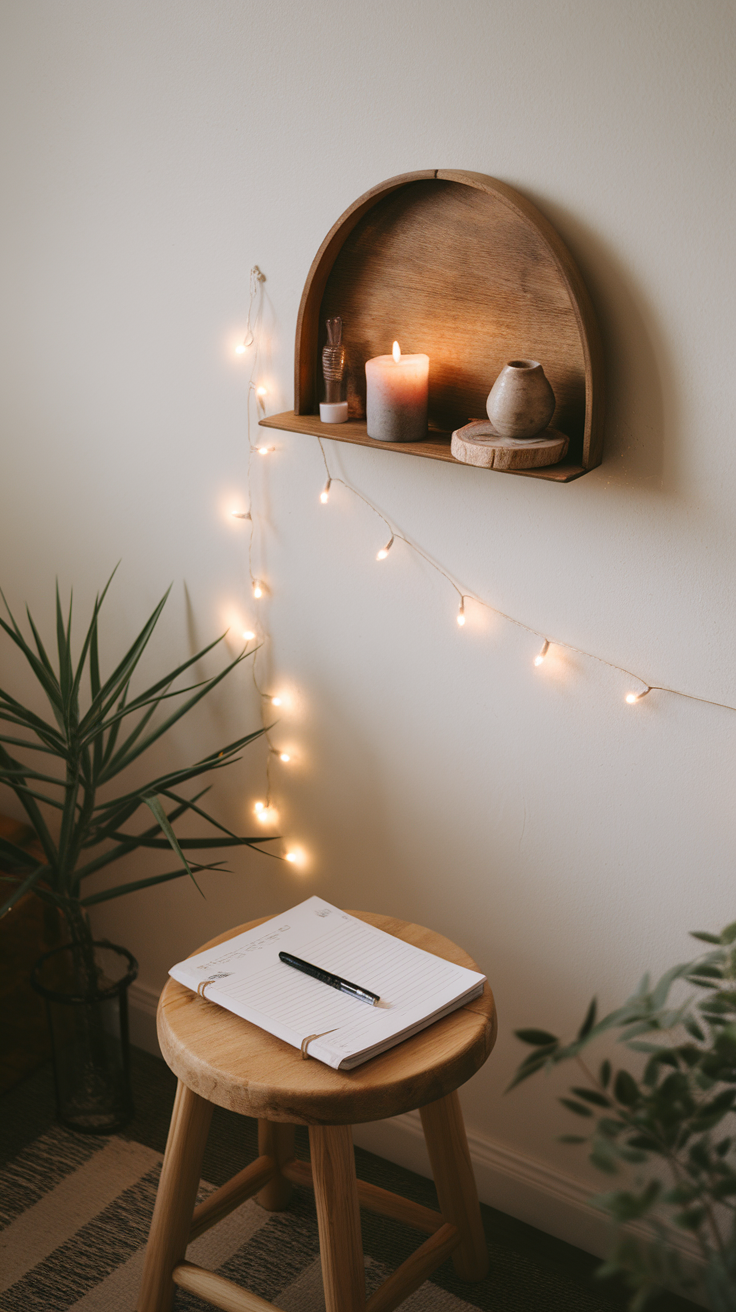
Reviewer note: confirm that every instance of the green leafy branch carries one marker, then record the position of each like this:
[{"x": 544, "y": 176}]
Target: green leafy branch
[{"x": 674, "y": 1113}]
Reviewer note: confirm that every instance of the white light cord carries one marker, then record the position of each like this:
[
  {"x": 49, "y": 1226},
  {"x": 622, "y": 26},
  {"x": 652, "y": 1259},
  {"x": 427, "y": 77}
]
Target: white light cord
[{"x": 631, "y": 698}]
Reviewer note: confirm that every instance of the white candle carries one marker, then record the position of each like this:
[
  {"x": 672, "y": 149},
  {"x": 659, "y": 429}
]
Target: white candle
[{"x": 396, "y": 396}]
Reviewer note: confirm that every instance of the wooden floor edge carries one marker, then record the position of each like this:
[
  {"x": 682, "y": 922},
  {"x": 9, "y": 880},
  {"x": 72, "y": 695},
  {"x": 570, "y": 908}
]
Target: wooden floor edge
[
  {"x": 217, "y": 1290},
  {"x": 374, "y": 1199}
]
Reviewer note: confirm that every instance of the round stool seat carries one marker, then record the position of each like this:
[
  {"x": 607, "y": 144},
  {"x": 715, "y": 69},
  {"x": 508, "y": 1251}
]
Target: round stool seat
[{"x": 231, "y": 1062}]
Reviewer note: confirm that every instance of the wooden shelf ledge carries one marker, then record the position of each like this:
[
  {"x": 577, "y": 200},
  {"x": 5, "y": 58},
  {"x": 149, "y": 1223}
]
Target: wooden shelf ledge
[{"x": 437, "y": 447}]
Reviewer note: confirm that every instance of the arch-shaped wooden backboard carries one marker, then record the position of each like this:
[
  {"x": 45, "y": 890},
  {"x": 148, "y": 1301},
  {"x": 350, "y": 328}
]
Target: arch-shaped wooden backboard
[{"x": 466, "y": 269}]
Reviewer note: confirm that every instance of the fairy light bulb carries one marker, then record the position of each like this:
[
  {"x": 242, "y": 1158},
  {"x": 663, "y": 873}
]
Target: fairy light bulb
[
  {"x": 263, "y": 450},
  {"x": 276, "y": 701},
  {"x": 632, "y": 697},
  {"x": 396, "y": 352},
  {"x": 295, "y": 856},
  {"x": 240, "y": 514},
  {"x": 284, "y": 756},
  {"x": 324, "y": 495},
  {"x": 261, "y": 391},
  {"x": 540, "y": 657},
  {"x": 461, "y": 612},
  {"x": 257, "y": 588},
  {"x": 259, "y": 807},
  {"x": 240, "y": 350},
  {"x": 382, "y": 554},
  {"x": 248, "y": 634}
]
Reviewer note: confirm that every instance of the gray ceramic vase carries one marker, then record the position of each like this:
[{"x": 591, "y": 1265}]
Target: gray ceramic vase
[{"x": 521, "y": 402}]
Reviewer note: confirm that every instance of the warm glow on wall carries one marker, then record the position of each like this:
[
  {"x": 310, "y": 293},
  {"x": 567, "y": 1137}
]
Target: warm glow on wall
[{"x": 296, "y": 856}]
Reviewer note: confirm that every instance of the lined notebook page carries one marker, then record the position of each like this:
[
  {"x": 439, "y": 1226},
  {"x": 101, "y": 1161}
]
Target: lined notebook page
[{"x": 252, "y": 982}]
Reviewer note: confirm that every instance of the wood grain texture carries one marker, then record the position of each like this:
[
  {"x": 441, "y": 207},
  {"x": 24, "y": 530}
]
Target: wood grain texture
[
  {"x": 276, "y": 1140},
  {"x": 414, "y": 1271},
  {"x": 338, "y": 1217},
  {"x": 177, "y": 1191},
  {"x": 238, "y": 1189},
  {"x": 590, "y": 337},
  {"x": 449, "y": 1155},
  {"x": 218, "y": 1290},
  {"x": 478, "y": 444},
  {"x": 462, "y": 267},
  {"x": 375, "y": 1199},
  {"x": 307, "y": 325},
  {"x": 437, "y": 446},
  {"x": 237, "y": 1065}
]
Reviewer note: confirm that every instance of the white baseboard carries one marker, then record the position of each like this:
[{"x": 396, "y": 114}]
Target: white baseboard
[{"x": 507, "y": 1180}]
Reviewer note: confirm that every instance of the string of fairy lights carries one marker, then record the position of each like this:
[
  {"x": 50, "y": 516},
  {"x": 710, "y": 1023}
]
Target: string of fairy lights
[{"x": 265, "y": 811}]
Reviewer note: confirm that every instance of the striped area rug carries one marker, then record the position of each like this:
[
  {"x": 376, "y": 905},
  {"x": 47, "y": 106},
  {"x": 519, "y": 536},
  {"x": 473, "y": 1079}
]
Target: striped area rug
[{"x": 75, "y": 1213}]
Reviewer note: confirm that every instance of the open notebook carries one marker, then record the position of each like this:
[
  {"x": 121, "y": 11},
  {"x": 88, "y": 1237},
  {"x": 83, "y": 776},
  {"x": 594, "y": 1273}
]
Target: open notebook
[{"x": 247, "y": 977}]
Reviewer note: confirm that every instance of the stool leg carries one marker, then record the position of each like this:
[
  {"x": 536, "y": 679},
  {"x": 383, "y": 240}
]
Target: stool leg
[
  {"x": 338, "y": 1217},
  {"x": 444, "y": 1132},
  {"x": 276, "y": 1140},
  {"x": 177, "y": 1192}
]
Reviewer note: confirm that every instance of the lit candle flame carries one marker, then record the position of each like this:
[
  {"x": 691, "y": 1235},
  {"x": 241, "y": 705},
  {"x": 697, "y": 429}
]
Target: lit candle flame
[{"x": 396, "y": 352}]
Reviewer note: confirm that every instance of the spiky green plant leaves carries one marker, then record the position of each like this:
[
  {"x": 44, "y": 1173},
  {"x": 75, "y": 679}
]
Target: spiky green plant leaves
[{"x": 61, "y": 767}]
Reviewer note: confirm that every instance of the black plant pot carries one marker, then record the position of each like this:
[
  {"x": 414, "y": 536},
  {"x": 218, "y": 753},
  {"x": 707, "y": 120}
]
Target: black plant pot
[{"x": 89, "y": 1035}]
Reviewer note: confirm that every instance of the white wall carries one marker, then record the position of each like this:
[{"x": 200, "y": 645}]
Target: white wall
[{"x": 151, "y": 154}]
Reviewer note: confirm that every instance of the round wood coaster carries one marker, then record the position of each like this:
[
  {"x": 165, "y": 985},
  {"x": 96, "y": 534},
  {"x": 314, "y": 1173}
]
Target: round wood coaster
[{"x": 477, "y": 443}]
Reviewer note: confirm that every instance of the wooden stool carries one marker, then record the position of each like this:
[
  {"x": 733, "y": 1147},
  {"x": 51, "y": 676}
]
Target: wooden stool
[{"x": 220, "y": 1058}]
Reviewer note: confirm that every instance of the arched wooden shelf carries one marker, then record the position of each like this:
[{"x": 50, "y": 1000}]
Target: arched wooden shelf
[{"x": 466, "y": 269}]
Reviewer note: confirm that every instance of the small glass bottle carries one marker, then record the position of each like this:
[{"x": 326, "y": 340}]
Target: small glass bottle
[{"x": 333, "y": 410}]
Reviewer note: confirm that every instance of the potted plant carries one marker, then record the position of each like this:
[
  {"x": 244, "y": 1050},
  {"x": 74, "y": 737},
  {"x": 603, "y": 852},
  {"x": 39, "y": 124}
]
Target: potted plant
[
  {"x": 671, "y": 1124},
  {"x": 61, "y": 767}
]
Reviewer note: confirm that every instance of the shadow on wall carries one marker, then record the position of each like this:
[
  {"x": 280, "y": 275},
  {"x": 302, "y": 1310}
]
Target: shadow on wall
[{"x": 639, "y": 374}]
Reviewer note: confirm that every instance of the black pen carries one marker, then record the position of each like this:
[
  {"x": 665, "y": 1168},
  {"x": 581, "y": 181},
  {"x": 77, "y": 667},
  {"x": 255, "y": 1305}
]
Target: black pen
[{"x": 326, "y": 976}]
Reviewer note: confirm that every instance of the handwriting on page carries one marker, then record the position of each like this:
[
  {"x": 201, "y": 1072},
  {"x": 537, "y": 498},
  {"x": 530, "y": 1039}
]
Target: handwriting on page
[{"x": 244, "y": 949}]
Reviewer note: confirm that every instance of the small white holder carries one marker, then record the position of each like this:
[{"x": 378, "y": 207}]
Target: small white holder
[{"x": 333, "y": 412}]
